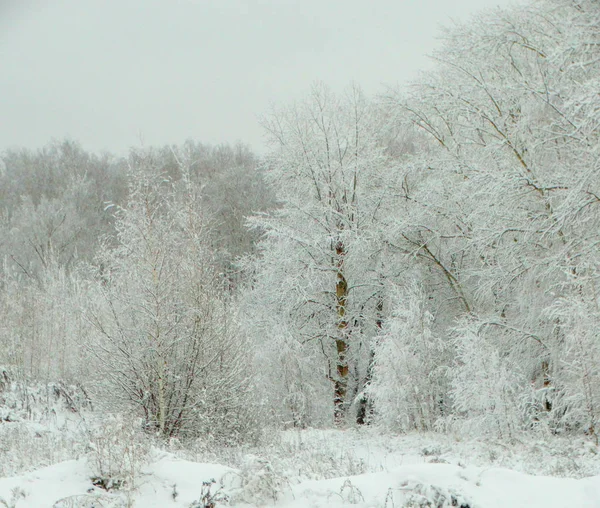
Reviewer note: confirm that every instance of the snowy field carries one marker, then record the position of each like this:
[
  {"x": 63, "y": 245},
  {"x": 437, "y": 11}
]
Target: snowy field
[
  {"x": 60, "y": 459},
  {"x": 169, "y": 481}
]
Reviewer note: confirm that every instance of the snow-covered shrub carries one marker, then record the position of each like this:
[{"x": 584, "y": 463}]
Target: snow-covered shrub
[
  {"x": 260, "y": 483},
  {"x": 409, "y": 377},
  {"x": 165, "y": 335},
  {"x": 421, "y": 495},
  {"x": 117, "y": 451},
  {"x": 291, "y": 379},
  {"x": 208, "y": 497},
  {"x": 575, "y": 377}
]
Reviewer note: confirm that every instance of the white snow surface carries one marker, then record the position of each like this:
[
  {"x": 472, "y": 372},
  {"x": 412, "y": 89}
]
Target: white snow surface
[
  {"x": 489, "y": 488},
  {"x": 395, "y": 476}
]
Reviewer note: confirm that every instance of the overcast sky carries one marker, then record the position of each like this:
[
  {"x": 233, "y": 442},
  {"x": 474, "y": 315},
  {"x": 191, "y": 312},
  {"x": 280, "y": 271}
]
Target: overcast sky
[{"x": 115, "y": 73}]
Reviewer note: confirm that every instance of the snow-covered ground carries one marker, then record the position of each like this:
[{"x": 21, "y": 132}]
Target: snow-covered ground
[
  {"x": 316, "y": 468},
  {"x": 55, "y": 456},
  {"x": 169, "y": 481}
]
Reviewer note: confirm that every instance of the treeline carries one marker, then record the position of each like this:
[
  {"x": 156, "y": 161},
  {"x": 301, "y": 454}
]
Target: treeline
[
  {"x": 423, "y": 260},
  {"x": 434, "y": 264},
  {"x": 58, "y": 201}
]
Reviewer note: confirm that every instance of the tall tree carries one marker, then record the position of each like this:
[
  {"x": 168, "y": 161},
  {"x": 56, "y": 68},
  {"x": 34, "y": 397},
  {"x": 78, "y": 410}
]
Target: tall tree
[
  {"x": 318, "y": 274},
  {"x": 516, "y": 132}
]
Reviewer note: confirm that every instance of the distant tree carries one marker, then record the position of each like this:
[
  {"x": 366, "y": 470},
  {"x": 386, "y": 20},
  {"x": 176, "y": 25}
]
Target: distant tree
[
  {"x": 231, "y": 186},
  {"x": 54, "y": 199}
]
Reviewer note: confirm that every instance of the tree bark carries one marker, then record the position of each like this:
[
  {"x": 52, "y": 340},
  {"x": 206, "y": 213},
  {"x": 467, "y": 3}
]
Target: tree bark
[
  {"x": 365, "y": 407},
  {"x": 341, "y": 379}
]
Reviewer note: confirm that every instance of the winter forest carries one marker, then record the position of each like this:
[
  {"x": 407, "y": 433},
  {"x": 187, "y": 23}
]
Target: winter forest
[{"x": 415, "y": 273}]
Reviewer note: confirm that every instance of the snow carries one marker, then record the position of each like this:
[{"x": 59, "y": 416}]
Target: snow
[
  {"x": 489, "y": 488},
  {"x": 391, "y": 480},
  {"x": 187, "y": 477},
  {"x": 43, "y": 487},
  {"x": 71, "y": 479}
]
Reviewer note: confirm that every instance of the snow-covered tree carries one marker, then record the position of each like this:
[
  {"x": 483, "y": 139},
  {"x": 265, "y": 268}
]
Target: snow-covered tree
[
  {"x": 318, "y": 278},
  {"x": 166, "y": 337},
  {"x": 511, "y": 208}
]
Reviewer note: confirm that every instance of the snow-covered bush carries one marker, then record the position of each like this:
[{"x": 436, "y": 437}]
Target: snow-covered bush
[
  {"x": 210, "y": 498},
  {"x": 260, "y": 484},
  {"x": 575, "y": 377},
  {"x": 421, "y": 495},
  {"x": 166, "y": 339},
  {"x": 117, "y": 451},
  {"x": 291, "y": 379}
]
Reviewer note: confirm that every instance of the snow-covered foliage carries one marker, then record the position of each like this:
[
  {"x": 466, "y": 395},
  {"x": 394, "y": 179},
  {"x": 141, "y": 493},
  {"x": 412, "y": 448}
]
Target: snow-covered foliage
[
  {"x": 166, "y": 339},
  {"x": 410, "y": 366},
  {"x": 318, "y": 280},
  {"x": 506, "y": 211},
  {"x": 491, "y": 208},
  {"x": 487, "y": 387}
]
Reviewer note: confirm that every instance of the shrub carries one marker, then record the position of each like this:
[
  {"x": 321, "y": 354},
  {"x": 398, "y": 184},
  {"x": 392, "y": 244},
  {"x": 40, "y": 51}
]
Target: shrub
[{"x": 117, "y": 451}]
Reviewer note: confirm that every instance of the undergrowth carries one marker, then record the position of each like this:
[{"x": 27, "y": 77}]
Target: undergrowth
[{"x": 43, "y": 425}]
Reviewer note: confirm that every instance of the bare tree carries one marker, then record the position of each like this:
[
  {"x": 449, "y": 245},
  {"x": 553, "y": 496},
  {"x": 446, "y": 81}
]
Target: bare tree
[{"x": 166, "y": 337}]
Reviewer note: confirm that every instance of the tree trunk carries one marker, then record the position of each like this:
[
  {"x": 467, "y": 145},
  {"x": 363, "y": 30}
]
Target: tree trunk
[
  {"x": 341, "y": 379},
  {"x": 365, "y": 408}
]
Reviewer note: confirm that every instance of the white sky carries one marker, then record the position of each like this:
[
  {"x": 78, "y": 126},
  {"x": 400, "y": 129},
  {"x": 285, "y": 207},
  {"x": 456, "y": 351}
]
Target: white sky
[{"x": 114, "y": 73}]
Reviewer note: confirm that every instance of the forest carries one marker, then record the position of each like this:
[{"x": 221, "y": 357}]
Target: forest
[{"x": 422, "y": 263}]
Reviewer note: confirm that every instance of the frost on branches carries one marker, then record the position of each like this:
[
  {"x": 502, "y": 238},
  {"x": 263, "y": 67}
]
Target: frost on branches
[
  {"x": 318, "y": 282},
  {"x": 166, "y": 337},
  {"x": 479, "y": 185}
]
